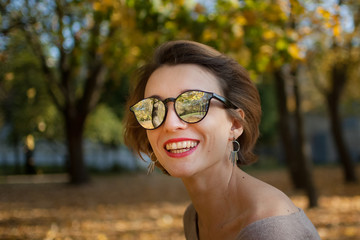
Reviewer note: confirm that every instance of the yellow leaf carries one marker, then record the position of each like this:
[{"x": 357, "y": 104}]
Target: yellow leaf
[
  {"x": 135, "y": 51},
  {"x": 116, "y": 18},
  {"x": 107, "y": 3},
  {"x": 209, "y": 35},
  {"x": 240, "y": 20},
  {"x": 281, "y": 44},
  {"x": 269, "y": 34},
  {"x": 337, "y": 30},
  {"x": 179, "y": 2},
  {"x": 324, "y": 13},
  {"x": 96, "y": 6},
  {"x": 294, "y": 51}
]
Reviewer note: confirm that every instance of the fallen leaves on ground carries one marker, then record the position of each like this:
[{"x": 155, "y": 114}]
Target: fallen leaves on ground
[{"x": 136, "y": 206}]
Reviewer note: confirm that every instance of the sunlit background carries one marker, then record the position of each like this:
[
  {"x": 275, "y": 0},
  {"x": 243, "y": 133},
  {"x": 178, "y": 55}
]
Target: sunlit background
[{"x": 66, "y": 71}]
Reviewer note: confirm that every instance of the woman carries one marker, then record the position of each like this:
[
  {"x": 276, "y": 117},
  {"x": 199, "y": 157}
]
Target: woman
[{"x": 196, "y": 113}]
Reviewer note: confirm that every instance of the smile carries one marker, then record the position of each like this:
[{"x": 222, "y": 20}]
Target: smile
[{"x": 181, "y": 146}]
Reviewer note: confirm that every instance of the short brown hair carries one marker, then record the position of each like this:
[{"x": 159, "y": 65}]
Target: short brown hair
[{"x": 234, "y": 82}]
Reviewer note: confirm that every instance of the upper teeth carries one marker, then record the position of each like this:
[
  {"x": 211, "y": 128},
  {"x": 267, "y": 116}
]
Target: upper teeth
[{"x": 181, "y": 145}]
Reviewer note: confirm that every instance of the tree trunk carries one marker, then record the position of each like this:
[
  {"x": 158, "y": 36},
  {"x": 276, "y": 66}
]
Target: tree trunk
[
  {"x": 76, "y": 165},
  {"x": 285, "y": 131},
  {"x": 302, "y": 154},
  {"x": 339, "y": 78},
  {"x": 17, "y": 169},
  {"x": 65, "y": 82}
]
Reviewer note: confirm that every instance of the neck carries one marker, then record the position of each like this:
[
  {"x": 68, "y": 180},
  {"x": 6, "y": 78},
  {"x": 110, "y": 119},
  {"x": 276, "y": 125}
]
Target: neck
[{"x": 216, "y": 194}]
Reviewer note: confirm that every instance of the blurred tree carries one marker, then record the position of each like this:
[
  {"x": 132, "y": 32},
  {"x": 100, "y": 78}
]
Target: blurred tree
[
  {"x": 305, "y": 178},
  {"x": 265, "y": 34},
  {"x": 73, "y": 43},
  {"x": 269, "y": 116},
  {"x": 82, "y": 44},
  {"x": 336, "y": 57},
  {"x": 24, "y": 102}
]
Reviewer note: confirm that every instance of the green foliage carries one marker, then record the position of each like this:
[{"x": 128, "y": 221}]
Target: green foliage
[
  {"x": 76, "y": 36},
  {"x": 25, "y": 102},
  {"x": 104, "y": 126}
]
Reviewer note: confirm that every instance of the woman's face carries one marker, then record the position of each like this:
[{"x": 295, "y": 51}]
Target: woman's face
[{"x": 185, "y": 149}]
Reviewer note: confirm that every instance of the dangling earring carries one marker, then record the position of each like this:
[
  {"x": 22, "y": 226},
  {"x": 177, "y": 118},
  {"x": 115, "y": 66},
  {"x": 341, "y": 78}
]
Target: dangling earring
[
  {"x": 152, "y": 163},
  {"x": 151, "y": 167},
  {"x": 234, "y": 153}
]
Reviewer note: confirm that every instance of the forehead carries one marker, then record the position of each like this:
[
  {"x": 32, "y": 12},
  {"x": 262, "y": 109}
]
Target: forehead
[{"x": 170, "y": 81}]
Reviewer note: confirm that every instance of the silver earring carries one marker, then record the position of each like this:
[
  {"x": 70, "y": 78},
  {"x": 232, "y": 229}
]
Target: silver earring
[
  {"x": 151, "y": 167},
  {"x": 234, "y": 153},
  {"x": 152, "y": 163}
]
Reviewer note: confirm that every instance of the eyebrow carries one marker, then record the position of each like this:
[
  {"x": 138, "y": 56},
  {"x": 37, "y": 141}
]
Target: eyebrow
[{"x": 154, "y": 96}]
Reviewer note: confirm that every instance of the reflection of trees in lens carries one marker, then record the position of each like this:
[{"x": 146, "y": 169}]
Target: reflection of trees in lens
[
  {"x": 149, "y": 112},
  {"x": 143, "y": 111},
  {"x": 157, "y": 113},
  {"x": 192, "y": 106}
]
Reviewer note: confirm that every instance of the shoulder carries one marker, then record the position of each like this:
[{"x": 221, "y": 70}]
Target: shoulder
[
  {"x": 295, "y": 226},
  {"x": 267, "y": 201}
]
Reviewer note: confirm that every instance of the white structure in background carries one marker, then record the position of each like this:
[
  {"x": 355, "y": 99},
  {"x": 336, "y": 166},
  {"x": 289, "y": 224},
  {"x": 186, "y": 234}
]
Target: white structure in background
[
  {"x": 101, "y": 157},
  {"x": 96, "y": 155}
]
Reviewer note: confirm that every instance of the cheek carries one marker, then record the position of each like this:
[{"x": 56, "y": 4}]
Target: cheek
[
  {"x": 218, "y": 120},
  {"x": 217, "y": 126}
]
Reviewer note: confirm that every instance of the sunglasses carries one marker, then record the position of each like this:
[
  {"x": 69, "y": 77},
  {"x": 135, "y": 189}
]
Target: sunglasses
[{"x": 190, "y": 106}]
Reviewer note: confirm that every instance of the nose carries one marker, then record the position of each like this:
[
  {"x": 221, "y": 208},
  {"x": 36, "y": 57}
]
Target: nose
[{"x": 172, "y": 122}]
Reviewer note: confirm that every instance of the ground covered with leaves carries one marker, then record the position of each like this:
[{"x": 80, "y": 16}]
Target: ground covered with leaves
[{"x": 136, "y": 206}]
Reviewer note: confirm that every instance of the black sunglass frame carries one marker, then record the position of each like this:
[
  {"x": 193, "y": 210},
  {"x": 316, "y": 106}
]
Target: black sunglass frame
[{"x": 227, "y": 103}]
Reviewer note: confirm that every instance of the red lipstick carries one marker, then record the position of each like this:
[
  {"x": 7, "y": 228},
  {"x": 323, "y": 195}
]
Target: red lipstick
[{"x": 181, "y": 152}]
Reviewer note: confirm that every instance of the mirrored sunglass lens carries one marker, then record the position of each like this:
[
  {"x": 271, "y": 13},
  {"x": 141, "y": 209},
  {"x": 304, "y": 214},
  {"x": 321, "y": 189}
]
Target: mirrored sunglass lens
[
  {"x": 149, "y": 112},
  {"x": 192, "y": 106}
]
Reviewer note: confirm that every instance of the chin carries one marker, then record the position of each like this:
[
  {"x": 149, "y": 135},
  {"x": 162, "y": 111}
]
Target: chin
[{"x": 181, "y": 172}]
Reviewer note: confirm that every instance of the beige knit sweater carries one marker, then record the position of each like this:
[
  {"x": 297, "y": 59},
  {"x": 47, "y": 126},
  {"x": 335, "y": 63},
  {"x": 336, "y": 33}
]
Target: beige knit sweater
[{"x": 296, "y": 226}]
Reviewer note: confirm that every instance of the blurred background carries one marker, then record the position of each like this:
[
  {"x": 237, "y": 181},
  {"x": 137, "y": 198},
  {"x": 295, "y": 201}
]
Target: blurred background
[{"x": 66, "y": 71}]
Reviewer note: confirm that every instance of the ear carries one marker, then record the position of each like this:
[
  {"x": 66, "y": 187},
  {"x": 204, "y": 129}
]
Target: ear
[{"x": 237, "y": 127}]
